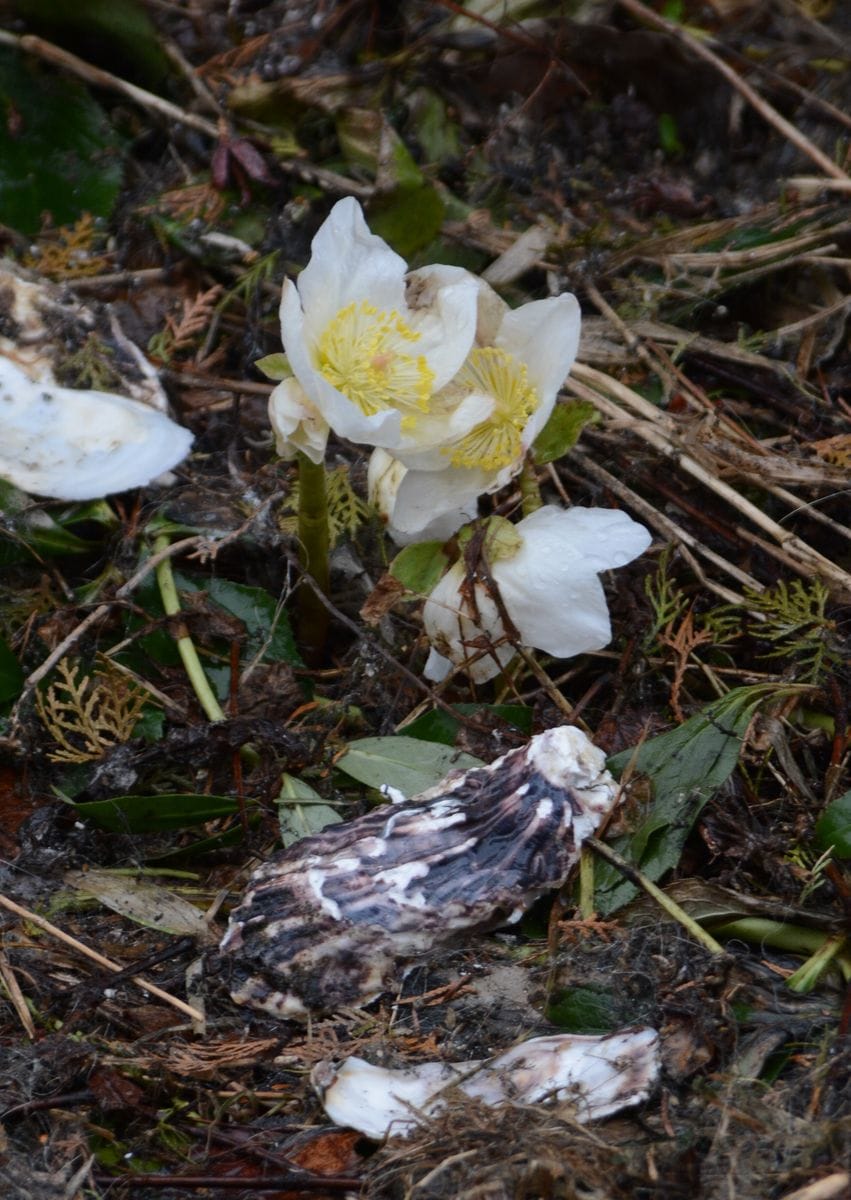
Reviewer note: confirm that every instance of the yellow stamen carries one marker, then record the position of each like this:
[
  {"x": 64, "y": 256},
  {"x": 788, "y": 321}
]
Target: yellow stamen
[
  {"x": 363, "y": 353},
  {"x": 495, "y": 443}
]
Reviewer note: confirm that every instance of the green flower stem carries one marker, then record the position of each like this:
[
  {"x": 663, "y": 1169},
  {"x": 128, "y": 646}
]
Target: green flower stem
[
  {"x": 530, "y": 492},
  {"x": 809, "y": 973},
  {"x": 185, "y": 645},
  {"x": 586, "y": 884},
  {"x": 314, "y": 544},
  {"x": 823, "y": 948},
  {"x": 670, "y": 906}
]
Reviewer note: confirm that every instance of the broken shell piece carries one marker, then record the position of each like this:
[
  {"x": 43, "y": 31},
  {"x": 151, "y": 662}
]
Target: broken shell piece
[
  {"x": 333, "y": 920},
  {"x": 597, "y": 1075},
  {"x": 80, "y": 445},
  {"x": 44, "y": 327}
]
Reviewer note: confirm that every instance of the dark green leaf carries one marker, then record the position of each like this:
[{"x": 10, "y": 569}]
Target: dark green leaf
[
  {"x": 687, "y": 766},
  {"x": 834, "y": 826},
  {"x": 440, "y": 726},
  {"x": 11, "y": 675},
  {"x": 561, "y": 432},
  {"x": 266, "y": 622},
  {"x": 58, "y": 153},
  {"x": 401, "y": 762},
  {"x": 116, "y": 34},
  {"x": 408, "y": 218},
  {"x": 149, "y": 814},
  {"x": 584, "y": 1010}
]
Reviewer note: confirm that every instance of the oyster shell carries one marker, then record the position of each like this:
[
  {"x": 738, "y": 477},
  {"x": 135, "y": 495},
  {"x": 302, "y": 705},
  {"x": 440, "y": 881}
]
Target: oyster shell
[
  {"x": 597, "y": 1075},
  {"x": 333, "y": 920}
]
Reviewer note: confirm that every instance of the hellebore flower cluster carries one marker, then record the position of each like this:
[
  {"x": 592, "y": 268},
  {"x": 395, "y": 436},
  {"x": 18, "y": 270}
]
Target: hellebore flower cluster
[
  {"x": 429, "y": 366},
  {"x": 450, "y": 387}
]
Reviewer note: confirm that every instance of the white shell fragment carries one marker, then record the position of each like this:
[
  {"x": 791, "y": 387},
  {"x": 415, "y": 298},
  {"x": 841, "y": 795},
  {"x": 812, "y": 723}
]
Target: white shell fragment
[
  {"x": 72, "y": 443},
  {"x": 333, "y": 920},
  {"x": 80, "y": 445},
  {"x": 596, "y": 1075}
]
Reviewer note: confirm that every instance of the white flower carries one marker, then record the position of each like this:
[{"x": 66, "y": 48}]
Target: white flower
[
  {"x": 507, "y": 387},
  {"x": 549, "y": 588},
  {"x": 521, "y": 358},
  {"x": 297, "y": 424},
  {"x": 417, "y": 505},
  {"x": 369, "y": 358},
  {"x": 80, "y": 445}
]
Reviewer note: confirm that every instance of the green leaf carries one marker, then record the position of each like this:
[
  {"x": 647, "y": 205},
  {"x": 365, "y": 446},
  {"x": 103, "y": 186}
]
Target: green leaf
[
  {"x": 11, "y": 675},
  {"x": 58, "y": 152},
  {"x": 408, "y": 218},
  {"x": 440, "y": 726},
  {"x": 116, "y": 34},
  {"x": 584, "y": 1010},
  {"x": 302, "y": 811},
  {"x": 141, "y": 901},
  {"x": 401, "y": 762},
  {"x": 266, "y": 622},
  {"x": 834, "y": 826},
  {"x": 274, "y": 366},
  {"x": 436, "y": 132},
  {"x": 561, "y": 432},
  {"x": 151, "y": 814},
  {"x": 669, "y": 138},
  {"x": 687, "y": 766},
  {"x": 419, "y": 567}
]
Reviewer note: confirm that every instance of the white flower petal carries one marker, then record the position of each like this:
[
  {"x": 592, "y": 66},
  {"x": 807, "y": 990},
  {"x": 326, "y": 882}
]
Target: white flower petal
[
  {"x": 80, "y": 445},
  {"x": 543, "y": 334},
  {"x": 601, "y": 538},
  {"x": 419, "y": 506},
  {"x": 444, "y": 316},
  {"x": 353, "y": 287},
  {"x": 349, "y": 263},
  {"x": 297, "y": 424},
  {"x": 453, "y": 634},
  {"x": 551, "y": 588}
]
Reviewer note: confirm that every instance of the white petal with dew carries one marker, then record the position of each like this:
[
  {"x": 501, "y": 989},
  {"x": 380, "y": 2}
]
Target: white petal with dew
[
  {"x": 602, "y": 538},
  {"x": 80, "y": 445},
  {"x": 551, "y": 589}
]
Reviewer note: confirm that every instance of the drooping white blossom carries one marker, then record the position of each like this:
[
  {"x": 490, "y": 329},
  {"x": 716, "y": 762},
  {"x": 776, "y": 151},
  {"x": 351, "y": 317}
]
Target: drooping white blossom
[
  {"x": 549, "y": 588},
  {"x": 368, "y": 349},
  {"x": 418, "y": 505},
  {"x": 73, "y": 444}
]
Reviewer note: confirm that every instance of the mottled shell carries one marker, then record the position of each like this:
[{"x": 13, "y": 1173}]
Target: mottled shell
[{"x": 333, "y": 920}]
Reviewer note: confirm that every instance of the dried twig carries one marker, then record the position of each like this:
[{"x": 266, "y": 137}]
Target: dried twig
[
  {"x": 765, "y": 110},
  {"x": 100, "y": 959},
  {"x": 659, "y": 431},
  {"x": 16, "y": 996},
  {"x": 97, "y": 77}
]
